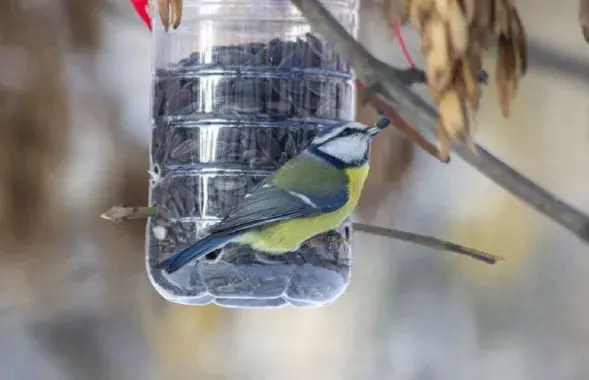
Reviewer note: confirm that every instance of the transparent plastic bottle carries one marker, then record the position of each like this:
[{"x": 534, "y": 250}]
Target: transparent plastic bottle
[{"x": 240, "y": 88}]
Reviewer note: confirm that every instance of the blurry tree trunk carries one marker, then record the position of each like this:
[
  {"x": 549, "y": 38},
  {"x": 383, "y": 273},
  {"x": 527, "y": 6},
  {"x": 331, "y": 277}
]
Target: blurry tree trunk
[
  {"x": 82, "y": 17},
  {"x": 54, "y": 246},
  {"x": 33, "y": 124}
]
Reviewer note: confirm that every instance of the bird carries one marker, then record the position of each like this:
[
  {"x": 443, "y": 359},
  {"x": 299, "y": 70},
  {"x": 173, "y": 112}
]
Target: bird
[{"x": 310, "y": 194}]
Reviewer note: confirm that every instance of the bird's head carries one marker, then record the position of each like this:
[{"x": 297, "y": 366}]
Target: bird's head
[{"x": 347, "y": 144}]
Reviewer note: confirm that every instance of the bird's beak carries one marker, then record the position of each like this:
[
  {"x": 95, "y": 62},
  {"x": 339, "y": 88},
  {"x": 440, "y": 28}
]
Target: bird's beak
[{"x": 378, "y": 126}]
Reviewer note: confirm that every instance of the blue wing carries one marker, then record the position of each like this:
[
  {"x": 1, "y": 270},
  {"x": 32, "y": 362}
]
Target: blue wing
[
  {"x": 286, "y": 194},
  {"x": 269, "y": 204}
]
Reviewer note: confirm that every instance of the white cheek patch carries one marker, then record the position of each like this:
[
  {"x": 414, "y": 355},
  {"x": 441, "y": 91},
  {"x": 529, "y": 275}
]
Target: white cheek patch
[
  {"x": 346, "y": 149},
  {"x": 337, "y": 130}
]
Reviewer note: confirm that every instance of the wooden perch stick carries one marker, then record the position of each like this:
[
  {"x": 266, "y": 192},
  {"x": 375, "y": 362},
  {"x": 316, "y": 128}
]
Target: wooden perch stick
[
  {"x": 119, "y": 214},
  {"x": 427, "y": 241},
  {"x": 418, "y": 113}
]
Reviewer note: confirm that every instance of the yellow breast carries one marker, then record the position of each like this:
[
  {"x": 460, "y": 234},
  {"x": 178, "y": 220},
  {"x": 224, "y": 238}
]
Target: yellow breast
[{"x": 289, "y": 235}]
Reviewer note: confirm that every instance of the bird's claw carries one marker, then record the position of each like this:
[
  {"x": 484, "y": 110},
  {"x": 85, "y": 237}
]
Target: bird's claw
[{"x": 170, "y": 13}]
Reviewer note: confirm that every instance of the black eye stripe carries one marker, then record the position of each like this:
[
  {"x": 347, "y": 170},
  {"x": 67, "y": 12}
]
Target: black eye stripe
[{"x": 347, "y": 132}]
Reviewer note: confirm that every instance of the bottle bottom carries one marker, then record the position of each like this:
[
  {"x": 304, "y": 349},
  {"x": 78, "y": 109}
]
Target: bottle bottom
[{"x": 238, "y": 276}]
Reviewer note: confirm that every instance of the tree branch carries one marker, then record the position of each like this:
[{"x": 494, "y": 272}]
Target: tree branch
[
  {"x": 412, "y": 134},
  {"x": 392, "y": 85},
  {"x": 427, "y": 241}
]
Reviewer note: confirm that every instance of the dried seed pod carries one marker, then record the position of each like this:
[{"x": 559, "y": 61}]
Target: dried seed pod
[
  {"x": 505, "y": 74},
  {"x": 469, "y": 9},
  {"x": 468, "y": 73},
  {"x": 443, "y": 141},
  {"x": 454, "y": 35},
  {"x": 163, "y": 7},
  {"x": 176, "y": 13},
  {"x": 435, "y": 48},
  {"x": 452, "y": 116},
  {"x": 484, "y": 21},
  {"x": 518, "y": 37},
  {"x": 443, "y": 8},
  {"x": 501, "y": 26},
  {"x": 420, "y": 11},
  {"x": 458, "y": 28}
]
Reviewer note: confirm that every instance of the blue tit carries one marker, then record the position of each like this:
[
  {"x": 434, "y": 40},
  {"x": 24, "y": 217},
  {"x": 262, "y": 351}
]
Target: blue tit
[{"x": 310, "y": 194}]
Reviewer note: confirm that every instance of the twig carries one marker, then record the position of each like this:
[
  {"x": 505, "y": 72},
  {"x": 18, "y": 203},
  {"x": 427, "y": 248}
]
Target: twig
[
  {"x": 398, "y": 122},
  {"x": 119, "y": 214},
  {"x": 427, "y": 241},
  {"x": 392, "y": 85}
]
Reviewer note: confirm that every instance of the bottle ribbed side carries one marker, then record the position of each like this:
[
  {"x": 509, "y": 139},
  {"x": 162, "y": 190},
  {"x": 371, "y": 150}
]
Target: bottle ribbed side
[{"x": 247, "y": 97}]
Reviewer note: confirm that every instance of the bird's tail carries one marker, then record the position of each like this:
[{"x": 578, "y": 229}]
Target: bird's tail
[{"x": 195, "y": 251}]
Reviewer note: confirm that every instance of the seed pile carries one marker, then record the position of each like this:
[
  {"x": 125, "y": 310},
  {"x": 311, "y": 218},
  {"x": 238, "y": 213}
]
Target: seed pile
[
  {"x": 454, "y": 35},
  {"x": 223, "y": 121}
]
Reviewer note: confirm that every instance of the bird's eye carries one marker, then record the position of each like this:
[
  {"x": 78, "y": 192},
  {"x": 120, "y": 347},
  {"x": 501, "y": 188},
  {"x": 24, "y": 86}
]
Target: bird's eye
[{"x": 347, "y": 132}]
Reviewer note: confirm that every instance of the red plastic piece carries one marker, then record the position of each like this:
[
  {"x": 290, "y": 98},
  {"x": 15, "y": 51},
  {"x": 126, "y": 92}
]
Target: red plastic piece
[
  {"x": 406, "y": 53},
  {"x": 141, "y": 9}
]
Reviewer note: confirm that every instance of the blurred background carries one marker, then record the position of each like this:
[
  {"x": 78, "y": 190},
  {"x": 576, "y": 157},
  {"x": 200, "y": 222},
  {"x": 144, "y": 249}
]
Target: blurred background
[{"x": 76, "y": 303}]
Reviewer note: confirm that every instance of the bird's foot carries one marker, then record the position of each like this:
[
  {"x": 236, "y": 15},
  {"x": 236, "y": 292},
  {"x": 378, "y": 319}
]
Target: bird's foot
[
  {"x": 326, "y": 240},
  {"x": 170, "y": 13}
]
